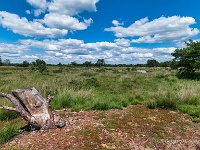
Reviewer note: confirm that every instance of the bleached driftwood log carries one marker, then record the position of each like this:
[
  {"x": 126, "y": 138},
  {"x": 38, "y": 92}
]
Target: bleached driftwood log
[{"x": 34, "y": 108}]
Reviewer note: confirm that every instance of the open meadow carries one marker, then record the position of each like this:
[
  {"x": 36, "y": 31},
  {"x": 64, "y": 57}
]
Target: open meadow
[{"x": 78, "y": 89}]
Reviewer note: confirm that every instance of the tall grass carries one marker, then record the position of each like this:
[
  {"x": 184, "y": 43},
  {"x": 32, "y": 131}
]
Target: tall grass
[
  {"x": 177, "y": 94},
  {"x": 9, "y": 130},
  {"x": 97, "y": 88}
]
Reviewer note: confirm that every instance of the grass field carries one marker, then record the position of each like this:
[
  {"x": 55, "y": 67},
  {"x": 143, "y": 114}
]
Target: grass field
[{"x": 79, "y": 88}]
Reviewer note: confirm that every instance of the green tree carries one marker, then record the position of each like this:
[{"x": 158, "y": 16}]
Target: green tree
[
  {"x": 100, "y": 62},
  {"x": 188, "y": 59},
  {"x": 61, "y": 67},
  {"x": 39, "y": 65},
  {"x": 1, "y": 63},
  {"x": 74, "y": 63},
  {"x": 87, "y": 64},
  {"x": 152, "y": 63},
  {"x": 25, "y": 64},
  {"x": 6, "y": 62}
]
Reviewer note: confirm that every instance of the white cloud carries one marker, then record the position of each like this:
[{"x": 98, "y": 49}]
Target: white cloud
[
  {"x": 159, "y": 30},
  {"x": 24, "y": 27},
  {"x": 59, "y": 18},
  {"x": 180, "y": 44},
  {"x": 72, "y": 7},
  {"x": 29, "y": 57},
  {"x": 69, "y": 50},
  {"x": 129, "y": 50},
  {"x": 122, "y": 42},
  {"x": 138, "y": 55},
  {"x": 141, "y": 55},
  {"x": 12, "y": 48},
  {"x": 39, "y": 5},
  {"x": 117, "y": 23},
  {"x": 61, "y": 21},
  {"x": 28, "y": 12},
  {"x": 168, "y": 50},
  {"x": 53, "y": 45}
]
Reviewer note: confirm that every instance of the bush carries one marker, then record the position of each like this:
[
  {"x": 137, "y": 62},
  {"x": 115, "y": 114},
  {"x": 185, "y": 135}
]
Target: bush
[{"x": 39, "y": 65}]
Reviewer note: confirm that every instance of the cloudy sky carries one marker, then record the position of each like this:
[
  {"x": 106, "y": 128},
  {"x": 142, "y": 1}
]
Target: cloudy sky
[{"x": 119, "y": 31}]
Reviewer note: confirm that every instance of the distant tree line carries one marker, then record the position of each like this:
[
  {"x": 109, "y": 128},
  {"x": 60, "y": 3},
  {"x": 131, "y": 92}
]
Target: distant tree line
[{"x": 100, "y": 63}]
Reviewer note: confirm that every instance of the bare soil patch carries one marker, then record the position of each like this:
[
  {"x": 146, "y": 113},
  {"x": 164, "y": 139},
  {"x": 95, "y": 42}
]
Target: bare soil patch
[{"x": 134, "y": 127}]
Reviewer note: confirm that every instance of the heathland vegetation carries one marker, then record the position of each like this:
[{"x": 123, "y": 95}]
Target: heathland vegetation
[{"x": 101, "y": 87}]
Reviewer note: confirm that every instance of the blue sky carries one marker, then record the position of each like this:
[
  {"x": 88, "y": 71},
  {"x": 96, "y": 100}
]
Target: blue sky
[{"x": 119, "y": 31}]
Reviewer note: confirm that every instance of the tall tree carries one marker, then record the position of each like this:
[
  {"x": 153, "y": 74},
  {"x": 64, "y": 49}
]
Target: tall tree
[
  {"x": 152, "y": 63},
  {"x": 188, "y": 59},
  {"x": 87, "y": 64},
  {"x": 6, "y": 62},
  {"x": 100, "y": 62},
  {"x": 1, "y": 63},
  {"x": 74, "y": 63},
  {"x": 39, "y": 65},
  {"x": 25, "y": 64}
]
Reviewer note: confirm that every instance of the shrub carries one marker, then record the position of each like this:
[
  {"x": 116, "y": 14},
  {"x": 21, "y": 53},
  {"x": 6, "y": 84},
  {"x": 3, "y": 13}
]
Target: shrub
[{"x": 39, "y": 65}]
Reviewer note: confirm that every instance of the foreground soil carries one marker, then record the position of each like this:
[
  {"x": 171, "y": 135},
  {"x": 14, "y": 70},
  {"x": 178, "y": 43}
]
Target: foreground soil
[{"x": 134, "y": 127}]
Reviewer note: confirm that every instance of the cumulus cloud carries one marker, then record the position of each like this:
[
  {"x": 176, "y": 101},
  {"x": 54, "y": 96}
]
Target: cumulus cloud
[
  {"x": 59, "y": 18},
  {"x": 122, "y": 42},
  {"x": 61, "y": 21},
  {"x": 117, "y": 23},
  {"x": 53, "y": 45},
  {"x": 68, "y": 50},
  {"x": 12, "y": 51},
  {"x": 162, "y": 29},
  {"x": 39, "y": 5},
  {"x": 12, "y": 48},
  {"x": 141, "y": 55},
  {"x": 29, "y": 57},
  {"x": 72, "y": 8},
  {"x": 63, "y": 7},
  {"x": 24, "y": 27},
  {"x": 165, "y": 50}
]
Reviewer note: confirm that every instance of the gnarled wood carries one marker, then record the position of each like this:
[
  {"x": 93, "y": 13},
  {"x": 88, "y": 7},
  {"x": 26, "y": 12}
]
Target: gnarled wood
[{"x": 34, "y": 108}]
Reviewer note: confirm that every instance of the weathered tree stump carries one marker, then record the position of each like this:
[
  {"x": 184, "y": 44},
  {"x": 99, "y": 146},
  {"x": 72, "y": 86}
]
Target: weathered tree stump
[{"x": 34, "y": 108}]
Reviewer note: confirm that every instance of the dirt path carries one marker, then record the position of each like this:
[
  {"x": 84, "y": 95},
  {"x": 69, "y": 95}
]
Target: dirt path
[{"x": 135, "y": 127}]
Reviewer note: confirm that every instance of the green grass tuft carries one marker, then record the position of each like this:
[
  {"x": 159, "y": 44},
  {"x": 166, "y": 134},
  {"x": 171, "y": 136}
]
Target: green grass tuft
[
  {"x": 8, "y": 115},
  {"x": 9, "y": 131}
]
